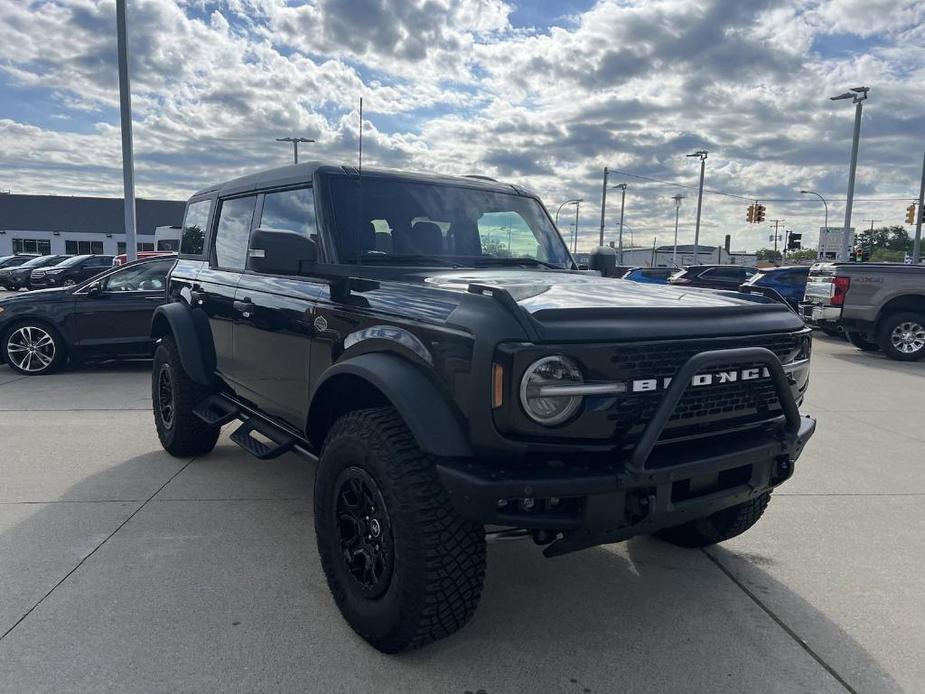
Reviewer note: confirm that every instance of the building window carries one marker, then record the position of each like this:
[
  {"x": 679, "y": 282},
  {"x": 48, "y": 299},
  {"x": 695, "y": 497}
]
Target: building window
[
  {"x": 83, "y": 247},
  {"x": 40, "y": 246},
  {"x": 140, "y": 246}
]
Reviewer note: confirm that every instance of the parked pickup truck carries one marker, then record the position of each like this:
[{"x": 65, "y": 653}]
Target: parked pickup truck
[{"x": 879, "y": 305}]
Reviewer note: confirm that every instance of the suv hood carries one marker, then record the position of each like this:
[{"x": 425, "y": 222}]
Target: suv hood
[{"x": 568, "y": 305}]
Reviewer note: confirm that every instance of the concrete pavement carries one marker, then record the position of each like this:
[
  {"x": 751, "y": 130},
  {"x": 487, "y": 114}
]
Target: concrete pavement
[{"x": 122, "y": 569}]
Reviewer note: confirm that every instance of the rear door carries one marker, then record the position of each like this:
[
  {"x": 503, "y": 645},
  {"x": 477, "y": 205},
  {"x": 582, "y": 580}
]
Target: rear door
[
  {"x": 274, "y": 315},
  {"x": 218, "y": 281}
]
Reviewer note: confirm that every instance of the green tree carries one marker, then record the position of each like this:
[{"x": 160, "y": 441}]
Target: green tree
[
  {"x": 768, "y": 255},
  {"x": 802, "y": 254},
  {"x": 893, "y": 238}
]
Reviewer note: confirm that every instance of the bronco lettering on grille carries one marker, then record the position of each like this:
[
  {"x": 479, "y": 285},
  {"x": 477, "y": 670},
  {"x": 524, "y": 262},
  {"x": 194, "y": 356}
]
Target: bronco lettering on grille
[{"x": 647, "y": 385}]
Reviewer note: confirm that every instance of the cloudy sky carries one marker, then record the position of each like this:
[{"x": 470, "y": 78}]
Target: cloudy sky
[{"x": 541, "y": 93}]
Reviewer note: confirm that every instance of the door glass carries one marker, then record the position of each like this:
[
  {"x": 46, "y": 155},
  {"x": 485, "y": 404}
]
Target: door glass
[
  {"x": 146, "y": 277},
  {"x": 194, "y": 228},
  {"x": 290, "y": 210},
  {"x": 234, "y": 228}
]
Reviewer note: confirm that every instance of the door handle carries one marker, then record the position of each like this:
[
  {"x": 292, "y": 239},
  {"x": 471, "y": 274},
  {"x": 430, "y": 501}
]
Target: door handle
[
  {"x": 154, "y": 298},
  {"x": 244, "y": 306}
]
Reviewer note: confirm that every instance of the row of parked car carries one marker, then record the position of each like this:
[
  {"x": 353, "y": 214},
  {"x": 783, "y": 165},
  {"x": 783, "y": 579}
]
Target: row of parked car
[{"x": 44, "y": 271}]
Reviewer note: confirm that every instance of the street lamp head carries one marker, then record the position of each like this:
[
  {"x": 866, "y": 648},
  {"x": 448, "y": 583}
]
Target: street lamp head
[
  {"x": 846, "y": 95},
  {"x": 701, "y": 153},
  {"x": 860, "y": 90},
  {"x": 621, "y": 186}
]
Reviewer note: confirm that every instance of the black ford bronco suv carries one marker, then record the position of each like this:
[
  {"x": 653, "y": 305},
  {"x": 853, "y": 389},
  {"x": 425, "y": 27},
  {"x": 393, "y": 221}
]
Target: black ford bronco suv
[{"x": 431, "y": 342}]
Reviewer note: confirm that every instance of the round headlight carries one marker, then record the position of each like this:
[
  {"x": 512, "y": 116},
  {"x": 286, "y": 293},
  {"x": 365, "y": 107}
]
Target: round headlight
[{"x": 538, "y": 390}]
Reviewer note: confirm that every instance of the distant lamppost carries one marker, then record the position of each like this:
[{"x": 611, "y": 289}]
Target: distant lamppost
[
  {"x": 567, "y": 202},
  {"x": 677, "y": 213},
  {"x": 825, "y": 229},
  {"x": 858, "y": 95},
  {"x": 295, "y": 145}
]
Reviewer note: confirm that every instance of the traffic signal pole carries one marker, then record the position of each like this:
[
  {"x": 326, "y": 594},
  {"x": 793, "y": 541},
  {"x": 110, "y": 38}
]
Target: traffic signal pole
[{"x": 917, "y": 245}]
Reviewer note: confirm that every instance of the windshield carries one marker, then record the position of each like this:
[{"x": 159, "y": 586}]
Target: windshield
[
  {"x": 391, "y": 221},
  {"x": 41, "y": 260},
  {"x": 73, "y": 260}
]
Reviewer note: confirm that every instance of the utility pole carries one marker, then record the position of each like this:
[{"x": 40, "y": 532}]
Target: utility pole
[
  {"x": 603, "y": 204},
  {"x": 295, "y": 145},
  {"x": 677, "y": 213},
  {"x": 620, "y": 237},
  {"x": 654, "y": 241},
  {"x": 859, "y": 95},
  {"x": 871, "y": 233},
  {"x": 702, "y": 154},
  {"x": 575, "y": 244},
  {"x": 917, "y": 244},
  {"x": 776, "y": 224},
  {"x": 125, "y": 111}
]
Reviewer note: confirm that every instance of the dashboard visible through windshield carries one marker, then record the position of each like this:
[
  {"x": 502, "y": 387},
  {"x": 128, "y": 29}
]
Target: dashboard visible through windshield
[{"x": 380, "y": 221}]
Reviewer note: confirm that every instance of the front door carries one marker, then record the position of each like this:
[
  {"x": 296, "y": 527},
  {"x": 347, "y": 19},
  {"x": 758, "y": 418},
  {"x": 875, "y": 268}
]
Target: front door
[
  {"x": 117, "y": 318},
  {"x": 274, "y": 319}
]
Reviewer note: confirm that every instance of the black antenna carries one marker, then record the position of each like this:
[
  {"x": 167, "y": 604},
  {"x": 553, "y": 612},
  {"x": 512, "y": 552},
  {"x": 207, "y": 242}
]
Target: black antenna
[{"x": 360, "y": 168}]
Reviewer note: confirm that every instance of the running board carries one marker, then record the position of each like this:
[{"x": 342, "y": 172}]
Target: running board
[
  {"x": 279, "y": 441},
  {"x": 216, "y": 411}
]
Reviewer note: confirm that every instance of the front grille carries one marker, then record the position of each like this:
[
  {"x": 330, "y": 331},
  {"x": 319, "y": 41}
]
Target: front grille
[{"x": 701, "y": 409}]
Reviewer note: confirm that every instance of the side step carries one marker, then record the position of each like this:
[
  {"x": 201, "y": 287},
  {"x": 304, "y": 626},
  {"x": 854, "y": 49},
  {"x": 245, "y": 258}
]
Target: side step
[
  {"x": 216, "y": 411},
  {"x": 279, "y": 442}
]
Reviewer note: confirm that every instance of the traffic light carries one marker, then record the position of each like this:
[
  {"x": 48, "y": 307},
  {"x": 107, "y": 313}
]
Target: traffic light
[
  {"x": 910, "y": 214},
  {"x": 793, "y": 243},
  {"x": 750, "y": 214},
  {"x": 759, "y": 214}
]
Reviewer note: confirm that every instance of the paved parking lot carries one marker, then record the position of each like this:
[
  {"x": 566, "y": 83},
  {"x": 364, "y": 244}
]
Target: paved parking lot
[{"x": 122, "y": 569}]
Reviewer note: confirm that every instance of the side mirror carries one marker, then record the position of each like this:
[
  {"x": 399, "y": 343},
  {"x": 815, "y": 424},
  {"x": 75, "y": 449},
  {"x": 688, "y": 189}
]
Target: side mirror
[
  {"x": 281, "y": 252},
  {"x": 95, "y": 289}
]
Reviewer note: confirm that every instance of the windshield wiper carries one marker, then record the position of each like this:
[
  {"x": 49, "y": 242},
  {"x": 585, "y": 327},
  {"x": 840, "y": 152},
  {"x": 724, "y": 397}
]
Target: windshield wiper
[
  {"x": 386, "y": 259},
  {"x": 526, "y": 260}
]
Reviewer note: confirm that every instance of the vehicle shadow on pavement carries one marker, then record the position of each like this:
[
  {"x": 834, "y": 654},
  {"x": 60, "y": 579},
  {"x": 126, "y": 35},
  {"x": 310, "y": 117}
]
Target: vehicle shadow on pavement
[{"x": 153, "y": 608}]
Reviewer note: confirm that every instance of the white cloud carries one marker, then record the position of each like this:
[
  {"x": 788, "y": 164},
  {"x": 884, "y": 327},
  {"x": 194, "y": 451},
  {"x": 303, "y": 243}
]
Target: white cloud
[{"x": 453, "y": 87}]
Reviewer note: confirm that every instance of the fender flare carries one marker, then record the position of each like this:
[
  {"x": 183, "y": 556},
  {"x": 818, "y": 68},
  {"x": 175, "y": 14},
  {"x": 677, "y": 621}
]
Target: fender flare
[
  {"x": 191, "y": 333},
  {"x": 431, "y": 420}
]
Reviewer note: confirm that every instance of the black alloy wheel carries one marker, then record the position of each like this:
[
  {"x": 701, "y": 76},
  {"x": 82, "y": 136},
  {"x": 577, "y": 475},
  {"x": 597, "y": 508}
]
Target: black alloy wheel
[
  {"x": 364, "y": 531},
  {"x": 165, "y": 399}
]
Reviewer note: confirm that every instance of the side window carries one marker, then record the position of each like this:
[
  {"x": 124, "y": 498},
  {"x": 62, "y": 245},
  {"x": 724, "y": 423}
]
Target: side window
[
  {"x": 291, "y": 210},
  {"x": 193, "y": 234},
  {"x": 146, "y": 277},
  {"x": 233, "y": 233}
]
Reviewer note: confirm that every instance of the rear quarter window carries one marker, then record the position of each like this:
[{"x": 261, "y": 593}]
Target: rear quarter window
[{"x": 195, "y": 227}]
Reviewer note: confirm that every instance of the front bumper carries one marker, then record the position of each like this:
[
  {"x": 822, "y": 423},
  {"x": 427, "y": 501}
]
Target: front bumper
[{"x": 649, "y": 487}]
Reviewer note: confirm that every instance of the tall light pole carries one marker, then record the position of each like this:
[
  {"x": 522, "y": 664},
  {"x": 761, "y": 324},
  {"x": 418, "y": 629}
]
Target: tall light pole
[
  {"x": 825, "y": 229},
  {"x": 295, "y": 145},
  {"x": 702, "y": 154},
  {"x": 858, "y": 95},
  {"x": 125, "y": 111},
  {"x": 574, "y": 201},
  {"x": 575, "y": 243},
  {"x": 917, "y": 244},
  {"x": 622, "y": 187},
  {"x": 677, "y": 214},
  {"x": 603, "y": 205}
]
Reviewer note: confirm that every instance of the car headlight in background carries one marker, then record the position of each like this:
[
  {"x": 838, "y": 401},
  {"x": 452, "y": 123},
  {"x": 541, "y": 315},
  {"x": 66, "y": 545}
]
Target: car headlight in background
[{"x": 550, "y": 390}]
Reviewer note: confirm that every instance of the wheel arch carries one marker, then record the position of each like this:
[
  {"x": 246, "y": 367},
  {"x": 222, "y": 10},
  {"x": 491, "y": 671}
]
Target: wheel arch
[
  {"x": 905, "y": 302},
  {"x": 381, "y": 379},
  {"x": 192, "y": 335}
]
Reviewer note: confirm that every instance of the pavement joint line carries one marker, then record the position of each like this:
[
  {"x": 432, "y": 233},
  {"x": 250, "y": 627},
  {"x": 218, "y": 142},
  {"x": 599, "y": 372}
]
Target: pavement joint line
[
  {"x": 94, "y": 550},
  {"x": 75, "y": 409},
  {"x": 777, "y": 494},
  {"x": 237, "y": 498},
  {"x": 13, "y": 380},
  {"x": 780, "y": 622},
  {"x": 70, "y": 501}
]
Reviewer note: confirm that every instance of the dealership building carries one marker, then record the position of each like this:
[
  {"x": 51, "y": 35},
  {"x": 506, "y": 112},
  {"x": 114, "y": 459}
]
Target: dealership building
[{"x": 47, "y": 224}]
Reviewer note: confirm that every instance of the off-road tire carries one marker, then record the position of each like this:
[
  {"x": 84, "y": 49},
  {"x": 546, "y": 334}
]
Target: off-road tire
[
  {"x": 60, "y": 349},
  {"x": 719, "y": 526},
  {"x": 860, "y": 341},
  {"x": 884, "y": 335},
  {"x": 183, "y": 434},
  {"x": 438, "y": 564}
]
